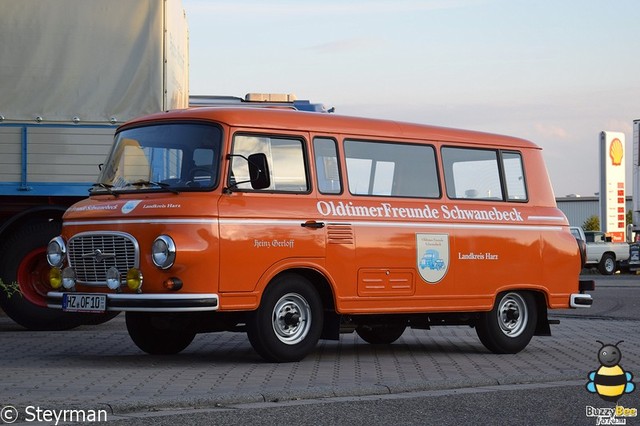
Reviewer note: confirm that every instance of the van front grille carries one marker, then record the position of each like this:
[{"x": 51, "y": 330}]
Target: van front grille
[{"x": 92, "y": 254}]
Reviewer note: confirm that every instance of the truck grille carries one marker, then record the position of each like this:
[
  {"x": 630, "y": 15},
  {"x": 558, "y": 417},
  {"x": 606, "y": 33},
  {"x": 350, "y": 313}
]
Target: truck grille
[{"x": 91, "y": 255}]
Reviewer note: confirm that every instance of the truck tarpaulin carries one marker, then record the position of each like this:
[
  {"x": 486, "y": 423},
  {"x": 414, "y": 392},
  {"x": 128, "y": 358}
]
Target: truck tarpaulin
[{"x": 64, "y": 58}]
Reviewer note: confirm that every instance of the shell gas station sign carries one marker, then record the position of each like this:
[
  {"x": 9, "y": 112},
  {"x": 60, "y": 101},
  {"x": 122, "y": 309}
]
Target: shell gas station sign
[{"x": 612, "y": 185}]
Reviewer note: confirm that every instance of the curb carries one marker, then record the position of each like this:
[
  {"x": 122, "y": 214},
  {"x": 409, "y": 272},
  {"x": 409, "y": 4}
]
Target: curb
[{"x": 230, "y": 399}]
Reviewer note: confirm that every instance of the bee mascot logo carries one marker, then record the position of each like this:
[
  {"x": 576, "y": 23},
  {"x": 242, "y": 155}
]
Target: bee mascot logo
[{"x": 610, "y": 381}]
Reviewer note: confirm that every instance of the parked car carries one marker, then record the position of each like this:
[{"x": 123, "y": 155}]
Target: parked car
[{"x": 601, "y": 251}]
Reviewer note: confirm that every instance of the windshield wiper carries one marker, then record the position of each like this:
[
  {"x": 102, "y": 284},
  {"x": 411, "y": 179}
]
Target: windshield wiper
[
  {"x": 104, "y": 186},
  {"x": 151, "y": 183}
]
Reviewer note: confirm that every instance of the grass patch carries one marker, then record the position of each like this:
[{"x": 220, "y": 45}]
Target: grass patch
[{"x": 10, "y": 289}]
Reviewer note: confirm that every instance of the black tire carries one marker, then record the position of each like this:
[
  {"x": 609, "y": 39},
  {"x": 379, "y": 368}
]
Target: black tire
[
  {"x": 382, "y": 334},
  {"x": 23, "y": 261},
  {"x": 510, "y": 325},
  {"x": 23, "y": 254},
  {"x": 582, "y": 247},
  {"x": 288, "y": 323},
  {"x": 607, "y": 265},
  {"x": 148, "y": 333}
]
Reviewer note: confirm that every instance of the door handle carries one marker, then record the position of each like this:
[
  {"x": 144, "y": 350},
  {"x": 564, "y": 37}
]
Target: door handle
[{"x": 312, "y": 224}]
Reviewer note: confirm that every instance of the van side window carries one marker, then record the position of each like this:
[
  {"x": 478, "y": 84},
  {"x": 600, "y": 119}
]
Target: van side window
[
  {"x": 391, "y": 169},
  {"x": 514, "y": 176},
  {"x": 327, "y": 170},
  {"x": 285, "y": 158},
  {"x": 472, "y": 173}
]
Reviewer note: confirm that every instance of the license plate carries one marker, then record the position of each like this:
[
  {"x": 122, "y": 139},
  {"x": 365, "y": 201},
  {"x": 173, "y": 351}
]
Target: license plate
[{"x": 78, "y": 302}]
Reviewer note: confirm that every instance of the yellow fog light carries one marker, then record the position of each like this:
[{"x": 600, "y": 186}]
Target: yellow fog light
[
  {"x": 134, "y": 279},
  {"x": 55, "y": 278}
]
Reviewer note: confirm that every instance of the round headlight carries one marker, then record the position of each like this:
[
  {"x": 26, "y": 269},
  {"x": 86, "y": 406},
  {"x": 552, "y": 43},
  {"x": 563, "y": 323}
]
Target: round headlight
[
  {"x": 56, "y": 252},
  {"x": 113, "y": 278},
  {"x": 68, "y": 278},
  {"x": 163, "y": 252}
]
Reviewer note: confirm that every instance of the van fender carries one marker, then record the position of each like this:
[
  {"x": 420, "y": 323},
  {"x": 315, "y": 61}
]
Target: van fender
[{"x": 305, "y": 266}]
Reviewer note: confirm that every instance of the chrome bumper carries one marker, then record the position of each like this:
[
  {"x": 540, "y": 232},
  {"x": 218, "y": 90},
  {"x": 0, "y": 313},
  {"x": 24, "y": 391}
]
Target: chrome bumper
[
  {"x": 583, "y": 300},
  {"x": 579, "y": 300},
  {"x": 149, "y": 302}
]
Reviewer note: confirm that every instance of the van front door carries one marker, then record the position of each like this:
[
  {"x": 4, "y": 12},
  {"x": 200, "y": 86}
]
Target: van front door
[{"x": 269, "y": 229}]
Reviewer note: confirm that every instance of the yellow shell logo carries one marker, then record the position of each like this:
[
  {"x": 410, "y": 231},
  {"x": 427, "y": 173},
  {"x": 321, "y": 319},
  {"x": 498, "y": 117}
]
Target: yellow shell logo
[{"x": 616, "y": 152}]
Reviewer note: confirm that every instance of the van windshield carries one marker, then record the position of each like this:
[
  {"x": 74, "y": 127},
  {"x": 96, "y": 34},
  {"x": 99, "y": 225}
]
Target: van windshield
[{"x": 166, "y": 157}]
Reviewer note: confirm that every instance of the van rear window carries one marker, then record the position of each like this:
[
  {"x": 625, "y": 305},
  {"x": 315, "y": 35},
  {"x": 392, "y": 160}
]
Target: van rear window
[{"x": 480, "y": 173}]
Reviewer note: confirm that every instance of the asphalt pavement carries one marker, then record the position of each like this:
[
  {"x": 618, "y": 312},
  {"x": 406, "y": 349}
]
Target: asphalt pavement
[{"x": 99, "y": 368}]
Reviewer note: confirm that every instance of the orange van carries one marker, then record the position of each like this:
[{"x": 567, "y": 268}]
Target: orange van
[{"x": 297, "y": 226}]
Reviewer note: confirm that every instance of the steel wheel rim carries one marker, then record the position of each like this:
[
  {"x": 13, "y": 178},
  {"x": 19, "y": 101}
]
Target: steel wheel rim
[
  {"x": 33, "y": 272},
  {"x": 609, "y": 264},
  {"x": 513, "y": 315},
  {"x": 291, "y": 318}
]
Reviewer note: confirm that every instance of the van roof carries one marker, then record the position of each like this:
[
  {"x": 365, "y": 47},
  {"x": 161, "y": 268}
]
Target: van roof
[{"x": 288, "y": 120}]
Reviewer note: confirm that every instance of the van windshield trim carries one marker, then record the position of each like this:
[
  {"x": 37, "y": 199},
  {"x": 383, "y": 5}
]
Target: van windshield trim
[{"x": 163, "y": 157}]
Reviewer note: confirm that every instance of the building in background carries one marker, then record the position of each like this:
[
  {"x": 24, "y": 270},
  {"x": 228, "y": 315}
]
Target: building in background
[{"x": 579, "y": 209}]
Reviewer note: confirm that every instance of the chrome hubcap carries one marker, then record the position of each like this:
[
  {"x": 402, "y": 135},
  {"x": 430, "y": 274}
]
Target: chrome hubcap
[
  {"x": 291, "y": 318},
  {"x": 512, "y": 315}
]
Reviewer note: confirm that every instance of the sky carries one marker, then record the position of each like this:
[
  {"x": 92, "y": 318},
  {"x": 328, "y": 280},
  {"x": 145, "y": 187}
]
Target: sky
[{"x": 556, "y": 72}]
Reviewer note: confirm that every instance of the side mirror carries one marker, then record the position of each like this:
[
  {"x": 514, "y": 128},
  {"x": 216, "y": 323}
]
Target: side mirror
[{"x": 259, "y": 171}]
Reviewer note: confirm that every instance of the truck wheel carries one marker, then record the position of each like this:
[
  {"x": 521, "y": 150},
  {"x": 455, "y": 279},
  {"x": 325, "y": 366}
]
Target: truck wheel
[
  {"x": 147, "y": 332},
  {"x": 510, "y": 325},
  {"x": 607, "y": 265},
  {"x": 23, "y": 261},
  {"x": 382, "y": 334},
  {"x": 288, "y": 323}
]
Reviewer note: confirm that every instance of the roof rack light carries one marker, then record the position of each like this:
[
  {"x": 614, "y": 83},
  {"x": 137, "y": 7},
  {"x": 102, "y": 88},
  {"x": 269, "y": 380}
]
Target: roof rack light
[{"x": 270, "y": 97}]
